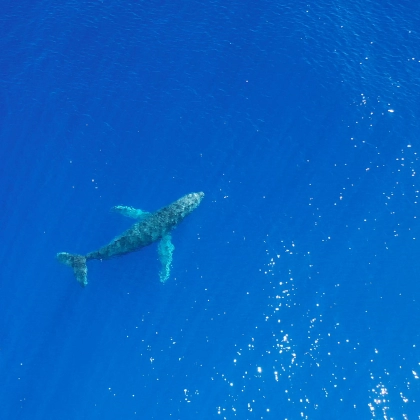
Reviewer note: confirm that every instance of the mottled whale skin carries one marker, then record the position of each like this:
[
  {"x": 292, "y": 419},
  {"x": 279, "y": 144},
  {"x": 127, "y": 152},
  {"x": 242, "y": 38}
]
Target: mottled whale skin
[{"x": 150, "y": 228}]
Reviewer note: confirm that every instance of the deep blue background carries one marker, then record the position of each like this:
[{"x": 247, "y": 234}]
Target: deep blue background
[{"x": 295, "y": 285}]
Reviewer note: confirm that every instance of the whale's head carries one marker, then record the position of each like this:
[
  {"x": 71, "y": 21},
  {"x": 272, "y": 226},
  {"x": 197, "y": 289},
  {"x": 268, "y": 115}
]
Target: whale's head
[
  {"x": 196, "y": 197},
  {"x": 189, "y": 202},
  {"x": 193, "y": 200}
]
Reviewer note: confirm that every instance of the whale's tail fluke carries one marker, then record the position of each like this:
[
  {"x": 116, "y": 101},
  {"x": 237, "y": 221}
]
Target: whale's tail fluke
[{"x": 78, "y": 263}]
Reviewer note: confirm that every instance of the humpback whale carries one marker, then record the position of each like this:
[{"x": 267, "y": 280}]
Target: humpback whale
[{"x": 150, "y": 227}]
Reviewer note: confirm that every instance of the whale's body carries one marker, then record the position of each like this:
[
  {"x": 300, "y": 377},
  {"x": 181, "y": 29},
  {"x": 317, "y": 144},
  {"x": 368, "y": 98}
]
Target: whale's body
[{"x": 150, "y": 228}]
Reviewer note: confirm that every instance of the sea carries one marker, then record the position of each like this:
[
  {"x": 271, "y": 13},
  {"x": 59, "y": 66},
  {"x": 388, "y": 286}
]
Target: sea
[{"x": 294, "y": 290}]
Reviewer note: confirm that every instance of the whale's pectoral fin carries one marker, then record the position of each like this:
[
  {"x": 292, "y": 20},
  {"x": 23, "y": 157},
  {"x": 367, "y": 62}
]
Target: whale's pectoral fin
[
  {"x": 165, "y": 250},
  {"x": 131, "y": 212},
  {"x": 78, "y": 263}
]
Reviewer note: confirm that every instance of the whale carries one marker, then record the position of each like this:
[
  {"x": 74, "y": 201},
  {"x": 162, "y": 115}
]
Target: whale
[{"x": 149, "y": 228}]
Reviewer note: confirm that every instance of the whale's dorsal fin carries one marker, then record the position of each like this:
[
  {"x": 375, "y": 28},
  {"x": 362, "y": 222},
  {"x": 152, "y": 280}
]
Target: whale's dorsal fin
[{"x": 131, "y": 212}]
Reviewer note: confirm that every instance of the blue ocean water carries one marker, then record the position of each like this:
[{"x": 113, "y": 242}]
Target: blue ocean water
[{"x": 295, "y": 285}]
